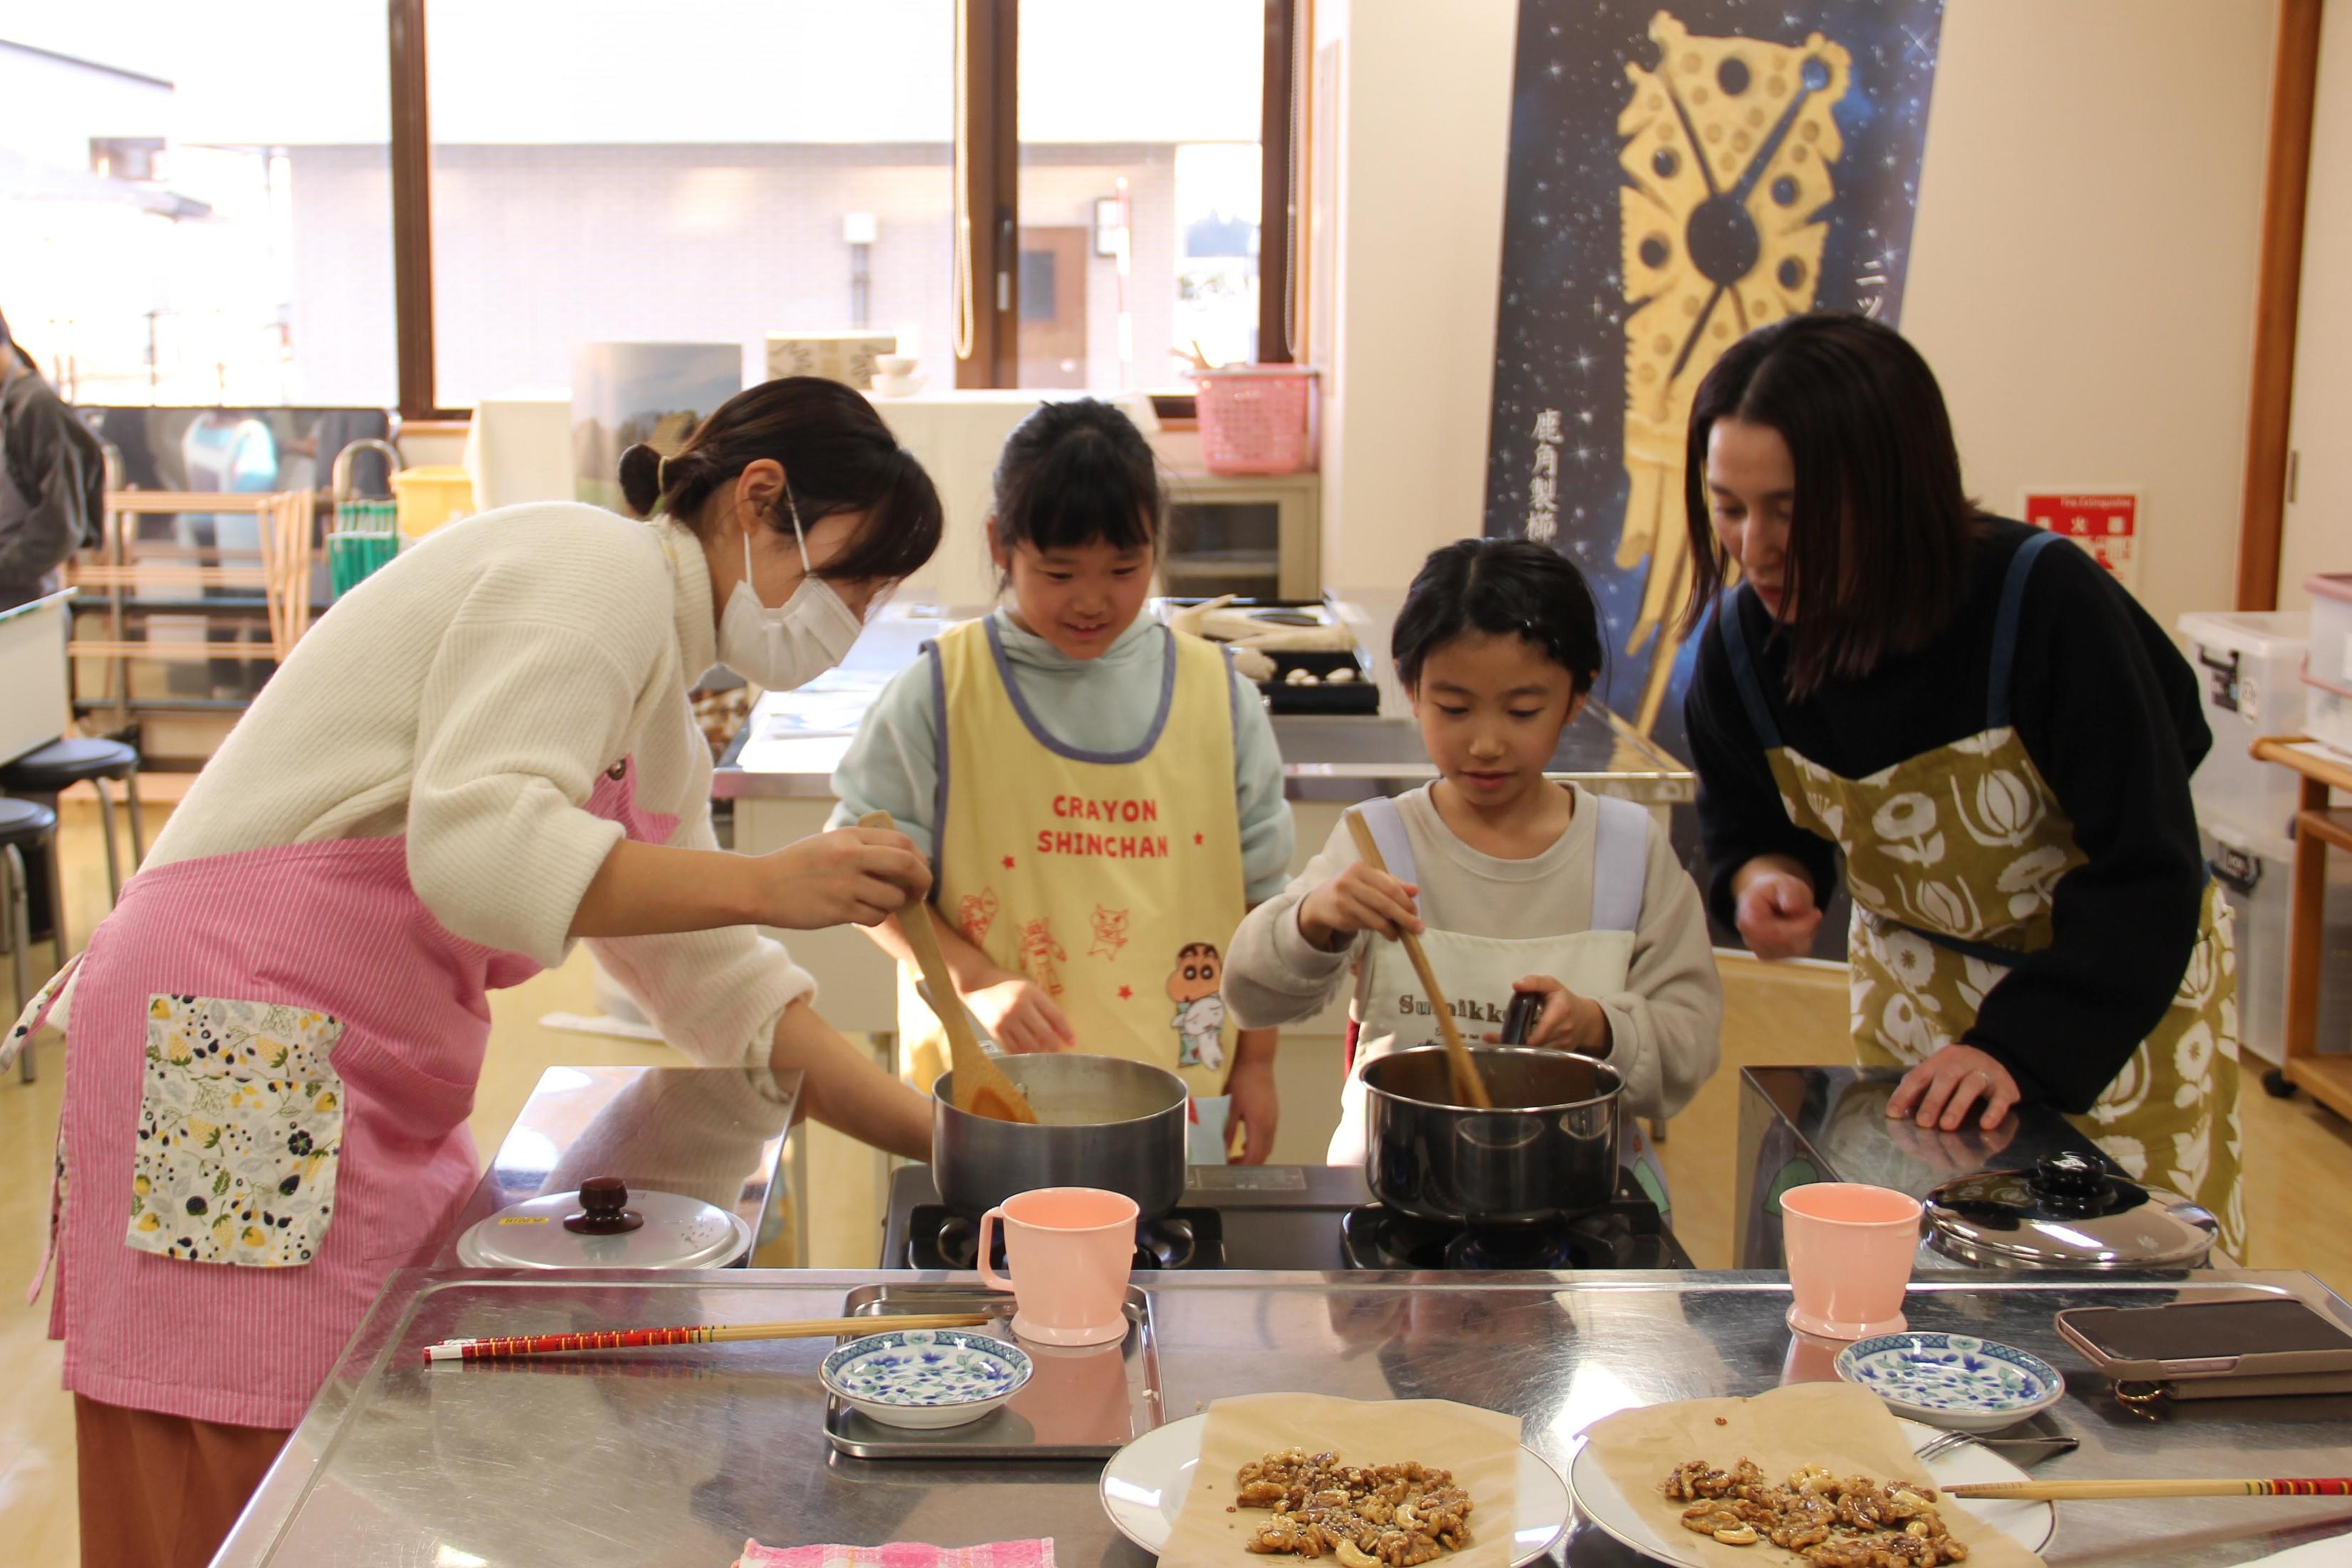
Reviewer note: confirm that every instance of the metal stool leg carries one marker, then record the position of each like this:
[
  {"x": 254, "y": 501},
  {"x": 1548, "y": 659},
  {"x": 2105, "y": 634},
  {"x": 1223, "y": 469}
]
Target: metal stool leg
[
  {"x": 57, "y": 941},
  {"x": 20, "y": 937},
  {"x": 138, "y": 833},
  {"x": 105, "y": 817}
]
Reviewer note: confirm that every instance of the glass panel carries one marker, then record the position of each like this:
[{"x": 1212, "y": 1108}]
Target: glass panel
[
  {"x": 1224, "y": 547},
  {"x": 700, "y": 172},
  {"x": 1138, "y": 131},
  {"x": 196, "y": 201}
]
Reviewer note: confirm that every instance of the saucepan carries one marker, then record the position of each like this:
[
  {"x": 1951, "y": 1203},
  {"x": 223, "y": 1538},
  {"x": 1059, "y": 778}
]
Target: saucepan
[
  {"x": 1547, "y": 1151},
  {"x": 1102, "y": 1122}
]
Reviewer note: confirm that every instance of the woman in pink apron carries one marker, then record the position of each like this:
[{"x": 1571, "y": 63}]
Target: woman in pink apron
[{"x": 480, "y": 755}]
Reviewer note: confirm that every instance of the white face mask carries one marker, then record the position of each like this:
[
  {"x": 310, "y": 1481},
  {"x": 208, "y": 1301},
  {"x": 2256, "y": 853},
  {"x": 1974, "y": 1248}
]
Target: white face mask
[{"x": 787, "y": 647}]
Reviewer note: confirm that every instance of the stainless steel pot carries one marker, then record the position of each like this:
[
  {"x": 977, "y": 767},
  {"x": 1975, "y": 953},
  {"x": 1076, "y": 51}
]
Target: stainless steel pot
[
  {"x": 1547, "y": 1151},
  {"x": 1102, "y": 1122}
]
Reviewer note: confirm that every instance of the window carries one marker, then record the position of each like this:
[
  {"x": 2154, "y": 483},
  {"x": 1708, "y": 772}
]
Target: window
[
  {"x": 1139, "y": 187},
  {"x": 705, "y": 171},
  {"x": 197, "y": 202}
]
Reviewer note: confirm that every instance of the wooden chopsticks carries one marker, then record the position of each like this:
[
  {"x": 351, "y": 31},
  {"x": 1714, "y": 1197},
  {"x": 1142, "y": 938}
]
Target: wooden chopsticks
[
  {"x": 696, "y": 1334},
  {"x": 2065, "y": 1491},
  {"x": 1468, "y": 1084}
]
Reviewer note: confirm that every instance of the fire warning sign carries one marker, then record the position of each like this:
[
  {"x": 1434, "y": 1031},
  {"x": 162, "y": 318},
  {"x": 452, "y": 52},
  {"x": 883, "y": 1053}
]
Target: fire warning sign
[{"x": 2107, "y": 524}]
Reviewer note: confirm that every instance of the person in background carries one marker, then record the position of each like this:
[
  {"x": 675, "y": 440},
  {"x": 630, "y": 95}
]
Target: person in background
[
  {"x": 1514, "y": 884},
  {"x": 52, "y": 481},
  {"x": 479, "y": 755},
  {"x": 1100, "y": 797},
  {"x": 1990, "y": 732}
]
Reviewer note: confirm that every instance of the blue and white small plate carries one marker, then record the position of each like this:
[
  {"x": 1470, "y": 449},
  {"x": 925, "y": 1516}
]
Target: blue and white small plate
[
  {"x": 926, "y": 1377},
  {"x": 1952, "y": 1381}
]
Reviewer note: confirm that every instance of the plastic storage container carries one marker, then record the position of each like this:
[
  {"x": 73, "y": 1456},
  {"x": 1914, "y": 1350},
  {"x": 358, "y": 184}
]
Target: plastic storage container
[
  {"x": 2256, "y": 877},
  {"x": 2329, "y": 672},
  {"x": 1256, "y": 419},
  {"x": 2250, "y": 667}
]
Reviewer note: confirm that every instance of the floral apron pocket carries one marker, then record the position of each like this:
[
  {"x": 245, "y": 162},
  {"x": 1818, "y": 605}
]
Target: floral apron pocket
[{"x": 240, "y": 1125}]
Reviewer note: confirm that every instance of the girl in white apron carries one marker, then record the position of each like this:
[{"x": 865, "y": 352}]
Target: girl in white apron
[
  {"x": 1101, "y": 797},
  {"x": 1514, "y": 883}
]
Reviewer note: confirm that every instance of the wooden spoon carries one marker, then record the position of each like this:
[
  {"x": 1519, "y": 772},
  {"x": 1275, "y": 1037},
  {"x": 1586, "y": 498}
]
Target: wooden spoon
[
  {"x": 1469, "y": 1085},
  {"x": 982, "y": 1088}
]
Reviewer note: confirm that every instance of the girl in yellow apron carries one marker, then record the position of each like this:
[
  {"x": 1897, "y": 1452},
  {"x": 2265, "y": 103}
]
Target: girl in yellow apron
[
  {"x": 1512, "y": 882},
  {"x": 1993, "y": 735},
  {"x": 1101, "y": 797}
]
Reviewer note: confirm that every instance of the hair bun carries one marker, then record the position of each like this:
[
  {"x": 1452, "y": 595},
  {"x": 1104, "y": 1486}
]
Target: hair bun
[{"x": 640, "y": 478}]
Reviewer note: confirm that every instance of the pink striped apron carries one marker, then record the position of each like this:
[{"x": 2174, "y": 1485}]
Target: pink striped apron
[{"x": 328, "y": 935}]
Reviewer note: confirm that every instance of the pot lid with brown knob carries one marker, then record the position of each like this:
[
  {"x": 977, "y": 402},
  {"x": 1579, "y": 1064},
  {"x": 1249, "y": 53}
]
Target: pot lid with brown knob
[{"x": 604, "y": 1225}]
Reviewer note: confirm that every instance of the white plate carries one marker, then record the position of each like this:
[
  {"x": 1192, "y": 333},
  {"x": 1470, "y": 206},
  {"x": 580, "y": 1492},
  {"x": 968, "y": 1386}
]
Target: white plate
[
  {"x": 2030, "y": 1524},
  {"x": 1144, "y": 1484}
]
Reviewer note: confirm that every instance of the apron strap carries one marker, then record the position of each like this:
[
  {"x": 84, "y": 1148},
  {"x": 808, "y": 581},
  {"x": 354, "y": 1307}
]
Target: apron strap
[
  {"x": 1743, "y": 671},
  {"x": 1621, "y": 862},
  {"x": 1387, "y": 823},
  {"x": 931, "y": 654},
  {"x": 1983, "y": 952},
  {"x": 2004, "y": 630}
]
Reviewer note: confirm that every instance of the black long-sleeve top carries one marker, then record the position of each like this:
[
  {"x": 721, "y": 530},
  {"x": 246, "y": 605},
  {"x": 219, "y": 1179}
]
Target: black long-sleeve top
[{"x": 2109, "y": 711}]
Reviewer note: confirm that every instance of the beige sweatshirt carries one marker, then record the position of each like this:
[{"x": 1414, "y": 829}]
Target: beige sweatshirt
[
  {"x": 1665, "y": 1027},
  {"x": 469, "y": 696}
]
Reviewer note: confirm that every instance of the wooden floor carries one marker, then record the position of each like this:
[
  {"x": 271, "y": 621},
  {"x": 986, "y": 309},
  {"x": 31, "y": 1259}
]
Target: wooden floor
[{"x": 2298, "y": 1170}]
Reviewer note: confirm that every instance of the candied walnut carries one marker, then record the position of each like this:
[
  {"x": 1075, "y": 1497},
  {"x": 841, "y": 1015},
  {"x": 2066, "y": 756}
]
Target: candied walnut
[
  {"x": 1738, "y": 1535},
  {"x": 1854, "y": 1521},
  {"x": 1394, "y": 1516}
]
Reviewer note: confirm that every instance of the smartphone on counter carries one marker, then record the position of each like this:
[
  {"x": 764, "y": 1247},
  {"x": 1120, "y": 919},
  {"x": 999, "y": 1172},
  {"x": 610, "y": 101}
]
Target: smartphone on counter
[{"x": 2216, "y": 1350}]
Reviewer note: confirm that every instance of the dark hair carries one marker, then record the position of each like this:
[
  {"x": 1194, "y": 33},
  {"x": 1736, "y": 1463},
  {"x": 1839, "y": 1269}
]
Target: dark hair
[
  {"x": 1502, "y": 586},
  {"x": 1077, "y": 472},
  {"x": 1880, "y": 529},
  {"x": 9, "y": 345},
  {"x": 838, "y": 457}
]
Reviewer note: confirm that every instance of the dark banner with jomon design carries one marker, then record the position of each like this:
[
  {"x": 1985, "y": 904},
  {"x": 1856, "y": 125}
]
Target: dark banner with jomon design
[{"x": 1679, "y": 176}]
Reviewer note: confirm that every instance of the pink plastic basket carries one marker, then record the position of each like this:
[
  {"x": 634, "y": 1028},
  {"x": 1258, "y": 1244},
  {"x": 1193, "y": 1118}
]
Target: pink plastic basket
[{"x": 1256, "y": 419}]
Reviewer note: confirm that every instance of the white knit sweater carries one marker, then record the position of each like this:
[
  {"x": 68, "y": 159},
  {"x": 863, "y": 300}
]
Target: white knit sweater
[{"x": 470, "y": 695}]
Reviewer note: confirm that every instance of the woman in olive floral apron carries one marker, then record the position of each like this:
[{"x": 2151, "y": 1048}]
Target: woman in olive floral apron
[{"x": 1994, "y": 738}]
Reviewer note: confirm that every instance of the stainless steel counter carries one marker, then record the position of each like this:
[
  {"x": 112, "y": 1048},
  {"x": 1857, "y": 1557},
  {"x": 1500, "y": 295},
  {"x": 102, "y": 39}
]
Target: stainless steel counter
[
  {"x": 1829, "y": 1124},
  {"x": 711, "y": 1133},
  {"x": 674, "y": 1458},
  {"x": 795, "y": 739}
]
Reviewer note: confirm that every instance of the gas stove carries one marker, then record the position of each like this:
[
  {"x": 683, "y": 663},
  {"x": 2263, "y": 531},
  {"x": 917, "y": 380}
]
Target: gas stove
[{"x": 1316, "y": 1218}]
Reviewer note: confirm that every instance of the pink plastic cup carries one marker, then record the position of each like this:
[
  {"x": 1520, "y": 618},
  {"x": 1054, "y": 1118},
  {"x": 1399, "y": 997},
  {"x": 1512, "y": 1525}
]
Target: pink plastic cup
[
  {"x": 1070, "y": 1250},
  {"x": 1850, "y": 1250}
]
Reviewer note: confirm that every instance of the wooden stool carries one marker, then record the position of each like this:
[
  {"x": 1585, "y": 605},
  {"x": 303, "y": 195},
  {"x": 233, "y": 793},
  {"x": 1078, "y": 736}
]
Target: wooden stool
[
  {"x": 24, "y": 822},
  {"x": 57, "y": 767}
]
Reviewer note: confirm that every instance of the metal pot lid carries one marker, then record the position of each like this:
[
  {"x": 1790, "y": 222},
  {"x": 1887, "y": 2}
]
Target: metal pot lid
[
  {"x": 605, "y": 1225},
  {"x": 2069, "y": 1212}
]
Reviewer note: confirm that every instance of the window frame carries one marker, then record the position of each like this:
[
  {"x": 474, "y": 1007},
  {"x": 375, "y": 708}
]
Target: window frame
[{"x": 989, "y": 100}]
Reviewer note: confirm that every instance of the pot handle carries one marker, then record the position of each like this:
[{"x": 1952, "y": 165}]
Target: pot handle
[
  {"x": 990, "y": 1276},
  {"x": 1526, "y": 1007}
]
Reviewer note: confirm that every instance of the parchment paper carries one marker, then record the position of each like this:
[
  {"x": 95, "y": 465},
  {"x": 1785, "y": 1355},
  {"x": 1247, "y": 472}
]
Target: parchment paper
[
  {"x": 1849, "y": 1430},
  {"x": 1480, "y": 1447}
]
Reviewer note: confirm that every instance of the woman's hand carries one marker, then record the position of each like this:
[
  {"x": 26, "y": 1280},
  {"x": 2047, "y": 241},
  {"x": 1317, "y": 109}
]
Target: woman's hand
[
  {"x": 851, "y": 875},
  {"x": 1256, "y": 1108},
  {"x": 1567, "y": 1023},
  {"x": 1358, "y": 898},
  {"x": 1946, "y": 1086},
  {"x": 1774, "y": 908},
  {"x": 1020, "y": 1016}
]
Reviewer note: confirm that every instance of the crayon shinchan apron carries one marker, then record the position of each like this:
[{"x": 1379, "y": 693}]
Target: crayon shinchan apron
[
  {"x": 269, "y": 1063},
  {"x": 1952, "y": 857},
  {"x": 1113, "y": 880},
  {"x": 1477, "y": 971}
]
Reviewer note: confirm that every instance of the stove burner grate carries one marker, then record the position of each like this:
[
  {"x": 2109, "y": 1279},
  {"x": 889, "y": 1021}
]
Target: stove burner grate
[
  {"x": 1188, "y": 1239},
  {"x": 1378, "y": 1237}
]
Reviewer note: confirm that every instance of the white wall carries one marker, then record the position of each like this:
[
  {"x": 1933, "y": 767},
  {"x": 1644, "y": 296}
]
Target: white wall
[
  {"x": 1425, "y": 109},
  {"x": 2082, "y": 277},
  {"x": 2319, "y": 520},
  {"x": 2083, "y": 272}
]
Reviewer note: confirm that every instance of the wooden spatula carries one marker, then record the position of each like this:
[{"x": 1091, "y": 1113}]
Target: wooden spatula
[
  {"x": 982, "y": 1088},
  {"x": 1469, "y": 1087}
]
